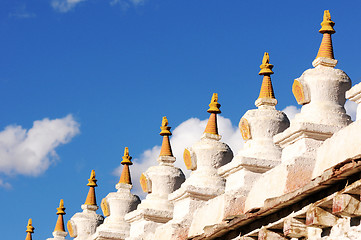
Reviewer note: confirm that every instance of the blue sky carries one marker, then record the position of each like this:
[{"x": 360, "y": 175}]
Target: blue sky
[{"x": 81, "y": 80}]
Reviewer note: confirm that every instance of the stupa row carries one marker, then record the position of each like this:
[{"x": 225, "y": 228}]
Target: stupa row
[{"x": 278, "y": 157}]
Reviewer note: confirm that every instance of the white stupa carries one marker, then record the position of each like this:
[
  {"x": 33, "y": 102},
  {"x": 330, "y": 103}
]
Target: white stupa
[
  {"x": 116, "y": 204},
  {"x": 158, "y": 181},
  {"x": 83, "y": 224}
]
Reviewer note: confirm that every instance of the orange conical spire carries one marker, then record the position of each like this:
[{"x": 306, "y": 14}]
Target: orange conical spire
[
  {"x": 326, "y": 49},
  {"x": 125, "y": 176},
  {"x": 29, "y": 230},
  {"x": 59, "y": 227},
  {"x": 91, "y": 199},
  {"x": 266, "y": 71},
  {"x": 213, "y": 110},
  {"x": 166, "y": 149}
]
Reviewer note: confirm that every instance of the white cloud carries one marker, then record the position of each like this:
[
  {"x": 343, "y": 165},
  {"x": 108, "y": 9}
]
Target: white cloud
[
  {"x": 351, "y": 109},
  {"x": 184, "y": 135},
  {"x": 291, "y": 111},
  {"x": 30, "y": 152},
  {"x": 65, "y": 5}
]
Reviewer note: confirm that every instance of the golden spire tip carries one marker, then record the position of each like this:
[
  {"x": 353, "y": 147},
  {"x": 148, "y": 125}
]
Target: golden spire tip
[
  {"x": 29, "y": 230},
  {"x": 29, "y": 227},
  {"x": 92, "y": 181},
  {"x": 266, "y": 67},
  {"x": 165, "y": 129},
  {"x": 126, "y": 158},
  {"x": 327, "y": 24},
  {"x": 61, "y": 208},
  {"x": 214, "y": 105}
]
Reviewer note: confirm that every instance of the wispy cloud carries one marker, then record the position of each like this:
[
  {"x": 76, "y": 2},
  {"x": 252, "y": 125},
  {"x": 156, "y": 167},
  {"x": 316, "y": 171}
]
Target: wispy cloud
[
  {"x": 184, "y": 135},
  {"x": 4, "y": 184},
  {"x": 22, "y": 15},
  {"x": 125, "y": 4},
  {"x": 22, "y": 12},
  {"x": 65, "y": 5},
  {"x": 31, "y": 152},
  {"x": 134, "y": 2}
]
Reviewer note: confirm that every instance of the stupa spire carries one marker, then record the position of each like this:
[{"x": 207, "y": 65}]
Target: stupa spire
[
  {"x": 29, "y": 230},
  {"x": 125, "y": 176},
  {"x": 91, "y": 199},
  {"x": 166, "y": 149},
  {"x": 59, "y": 227},
  {"x": 325, "y": 55},
  {"x": 214, "y": 106},
  {"x": 326, "y": 49},
  {"x": 266, "y": 95}
]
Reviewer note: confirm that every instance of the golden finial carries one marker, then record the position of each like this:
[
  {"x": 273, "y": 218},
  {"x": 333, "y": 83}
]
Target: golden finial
[
  {"x": 59, "y": 227},
  {"x": 165, "y": 129},
  {"x": 327, "y": 24},
  {"x": 61, "y": 208},
  {"x": 166, "y": 149},
  {"x": 125, "y": 176},
  {"x": 214, "y": 105},
  {"x": 326, "y": 48},
  {"x": 29, "y": 229},
  {"x": 266, "y": 88},
  {"x": 92, "y": 180},
  {"x": 266, "y": 67},
  {"x": 91, "y": 199},
  {"x": 164, "y": 121},
  {"x": 126, "y": 158}
]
